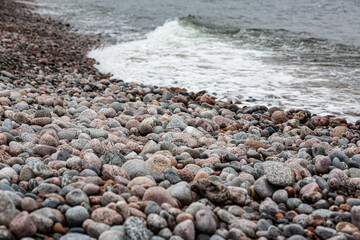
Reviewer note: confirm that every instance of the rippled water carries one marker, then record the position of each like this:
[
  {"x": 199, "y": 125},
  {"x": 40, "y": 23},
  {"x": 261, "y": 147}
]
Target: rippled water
[{"x": 293, "y": 54}]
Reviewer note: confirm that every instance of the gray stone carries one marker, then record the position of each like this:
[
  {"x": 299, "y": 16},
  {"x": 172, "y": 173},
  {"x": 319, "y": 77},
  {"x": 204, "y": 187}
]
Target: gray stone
[
  {"x": 6, "y": 234},
  {"x": 136, "y": 168},
  {"x": 171, "y": 175},
  {"x": 7, "y": 209},
  {"x": 278, "y": 174},
  {"x": 293, "y": 203},
  {"x": 96, "y": 133},
  {"x": 45, "y": 188},
  {"x": 76, "y": 197},
  {"x": 95, "y": 229},
  {"x": 305, "y": 208},
  {"x": 42, "y": 170},
  {"x": 114, "y": 157},
  {"x": 325, "y": 232},
  {"x": 75, "y": 216},
  {"x": 116, "y": 106},
  {"x": 226, "y": 216},
  {"x": 135, "y": 229},
  {"x": 205, "y": 222},
  {"x": 269, "y": 207},
  {"x": 182, "y": 192},
  {"x": 176, "y": 122},
  {"x": 280, "y": 196},
  {"x": 156, "y": 222},
  {"x": 354, "y": 172},
  {"x": 51, "y": 202},
  {"x": 150, "y": 147},
  {"x": 340, "y": 155},
  {"x": 75, "y": 236},
  {"x": 49, "y": 213},
  {"x": 112, "y": 235}
]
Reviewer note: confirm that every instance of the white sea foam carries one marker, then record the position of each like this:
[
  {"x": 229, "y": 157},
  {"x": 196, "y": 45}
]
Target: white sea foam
[{"x": 179, "y": 54}]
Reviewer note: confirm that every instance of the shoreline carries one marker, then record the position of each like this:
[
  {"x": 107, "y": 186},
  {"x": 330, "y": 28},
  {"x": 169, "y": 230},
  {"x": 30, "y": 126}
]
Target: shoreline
[{"x": 159, "y": 163}]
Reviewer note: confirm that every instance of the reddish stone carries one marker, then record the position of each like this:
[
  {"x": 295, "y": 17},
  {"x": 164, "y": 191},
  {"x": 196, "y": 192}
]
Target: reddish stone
[{"x": 22, "y": 225}]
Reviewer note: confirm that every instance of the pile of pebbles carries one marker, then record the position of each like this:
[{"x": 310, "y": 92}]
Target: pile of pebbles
[{"x": 83, "y": 156}]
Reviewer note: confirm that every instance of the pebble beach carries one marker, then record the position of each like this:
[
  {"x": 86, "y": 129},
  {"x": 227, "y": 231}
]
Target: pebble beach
[{"x": 84, "y": 156}]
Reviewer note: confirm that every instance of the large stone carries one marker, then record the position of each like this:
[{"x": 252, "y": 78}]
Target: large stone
[
  {"x": 135, "y": 229},
  {"x": 75, "y": 236},
  {"x": 205, "y": 222},
  {"x": 44, "y": 150},
  {"x": 150, "y": 147},
  {"x": 112, "y": 171},
  {"x": 238, "y": 195},
  {"x": 158, "y": 163},
  {"x": 49, "y": 213},
  {"x": 278, "y": 174},
  {"x": 144, "y": 182},
  {"x": 346, "y": 227},
  {"x": 114, "y": 157},
  {"x": 42, "y": 170},
  {"x": 136, "y": 168},
  {"x": 7, "y": 209},
  {"x": 112, "y": 235},
  {"x": 76, "y": 197},
  {"x": 76, "y": 216},
  {"x": 263, "y": 188},
  {"x": 107, "y": 216},
  {"x": 22, "y": 225},
  {"x": 43, "y": 224},
  {"x": 185, "y": 229},
  {"x": 158, "y": 195},
  {"x": 181, "y": 191},
  {"x": 279, "y": 117},
  {"x": 355, "y": 216},
  {"x": 156, "y": 222}
]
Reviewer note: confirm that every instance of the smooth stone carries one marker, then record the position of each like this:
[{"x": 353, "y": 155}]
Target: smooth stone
[
  {"x": 75, "y": 236},
  {"x": 158, "y": 195},
  {"x": 22, "y": 225},
  {"x": 114, "y": 157},
  {"x": 346, "y": 227},
  {"x": 280, "y": 196},
  {"x": 136, "y": 168},
  {"x": 325, "y": 232},
  {"x": 107, "y": 216},
  {"x": 355, "y": 216},
  {"x": 226, "y": 216},
  {"x": 205, "y": 222},
  {"x": 182, "y": 192},
  {"x": 340, "y": 155},
  {"x": 263, "y": 188},
  {"x": 49, "y": 213},
  {"x": 171, "y": 175},
  {"x": 269, "y": 207},
  {"x": 185, "y": 229},
  {"x": 112, "y": 235},
  {"x": 7, "y": 209},
  {"x": 95, "y": 229},
  {"x": 51, "y": 202},
  {"x": 45, "y": 188},
  {"x": 75, "y": 216},
  {"x": 156, "y": 222},
  {"x": 43, "y": 223},
  {"x": 293, "y": 229},
  {"x": 76, "y": 197}
]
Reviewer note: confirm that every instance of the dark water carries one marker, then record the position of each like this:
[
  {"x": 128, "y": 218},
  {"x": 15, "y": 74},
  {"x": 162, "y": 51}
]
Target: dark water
[{"x": 301, "y": 54}]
